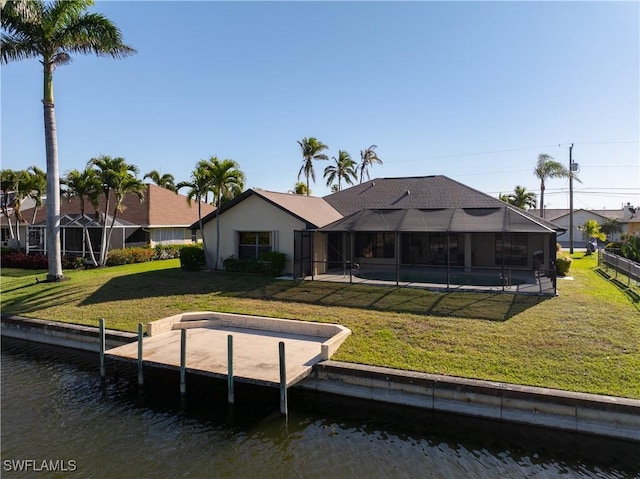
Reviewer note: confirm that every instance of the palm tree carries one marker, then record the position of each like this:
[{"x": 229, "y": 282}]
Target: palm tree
[
  {"x": 22, "y": 190},
  {"x": 84, "y": 185},
  {"x": 37, "y": 188},
  {"x": 300, "y": 188},
  {"x": 227, "y": 181},
  {"x": 118, "y": 177},
  {"x": 9, "y": 180},
  {"x": 344, "y": 168},
  {"x": 52, "y": 32},
  {"x": 521, "y": 198},
  {"x": 591, "y": 229},
  {"x": 548, "y": 168},
  {"x": 166, "y": 181},
  {"x": 611, "y": 227},
  {"x": 311, "y": 150},
  {"x": 199, "y": 188},
  {"x": 368, "y": 157}
]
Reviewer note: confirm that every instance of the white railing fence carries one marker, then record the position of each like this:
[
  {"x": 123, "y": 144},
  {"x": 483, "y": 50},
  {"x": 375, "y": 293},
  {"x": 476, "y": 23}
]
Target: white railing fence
[{"x": 621, "y": 264}]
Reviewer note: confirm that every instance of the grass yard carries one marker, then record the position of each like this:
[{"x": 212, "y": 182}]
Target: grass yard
[{"x": 586, "y": 339}]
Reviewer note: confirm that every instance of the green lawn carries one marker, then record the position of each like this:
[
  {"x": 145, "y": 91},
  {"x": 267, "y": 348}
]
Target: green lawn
[{"x": 586, "y": 339}]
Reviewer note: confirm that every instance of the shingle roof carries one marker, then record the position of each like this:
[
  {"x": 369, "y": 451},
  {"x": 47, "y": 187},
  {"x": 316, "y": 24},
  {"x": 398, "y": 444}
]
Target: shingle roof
[
  {"x": 314, "y": 211},
  {"x": 428, "y": 192},
  {"x": 504, "y": 218},
  {"x": 160, "y": 207},
  {"x": 418, "y": 192}
]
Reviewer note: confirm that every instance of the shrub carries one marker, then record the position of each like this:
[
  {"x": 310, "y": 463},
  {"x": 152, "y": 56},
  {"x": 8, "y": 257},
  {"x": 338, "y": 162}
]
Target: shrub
[
  {"x": 274, "y": 262},
  {"x": 269, "y": 263},
  {"x": 235, "y": 265},
  {"x": 118, "y": 257},
  {"x": 563, "y": 264},
  {"x": 192, "y": 258},
  {"x": 166, "y": 251},
  {"x": 73, "y": 263},
  {"x": 18, "y": 259}
]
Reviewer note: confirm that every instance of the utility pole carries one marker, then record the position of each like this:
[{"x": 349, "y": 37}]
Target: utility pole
[{"x": 570, "y": 200}]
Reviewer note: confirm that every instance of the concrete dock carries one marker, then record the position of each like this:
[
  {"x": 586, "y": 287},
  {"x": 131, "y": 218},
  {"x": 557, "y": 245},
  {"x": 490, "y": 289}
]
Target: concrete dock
[{"x": 256, "y": 341}]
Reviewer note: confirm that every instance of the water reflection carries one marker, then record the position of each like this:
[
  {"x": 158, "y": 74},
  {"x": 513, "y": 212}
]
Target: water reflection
[{"x": 60, "y": 410}]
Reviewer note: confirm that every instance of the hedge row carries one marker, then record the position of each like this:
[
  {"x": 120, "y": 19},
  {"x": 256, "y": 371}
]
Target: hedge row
[
  {"x": 269, "y": 263},
  {"x": 17, "y": 259}
]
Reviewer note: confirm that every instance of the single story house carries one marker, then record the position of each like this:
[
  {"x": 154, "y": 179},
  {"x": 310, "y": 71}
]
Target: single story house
[
  {"x": 162, "y": 217},
  {"x": 387, "y": 228},
  {"x": 627, "y": 216}
]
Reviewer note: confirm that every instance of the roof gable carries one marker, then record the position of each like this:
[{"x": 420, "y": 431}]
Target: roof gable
[{"x": 314, "y": 211}]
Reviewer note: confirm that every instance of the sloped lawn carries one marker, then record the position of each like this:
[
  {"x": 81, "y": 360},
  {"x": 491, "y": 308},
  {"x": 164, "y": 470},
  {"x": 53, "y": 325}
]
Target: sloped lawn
[{"x": 586, "y": 339}]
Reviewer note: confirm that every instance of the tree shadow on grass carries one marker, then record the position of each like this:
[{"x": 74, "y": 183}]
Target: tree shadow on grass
[{"x": 176, "y": 282}]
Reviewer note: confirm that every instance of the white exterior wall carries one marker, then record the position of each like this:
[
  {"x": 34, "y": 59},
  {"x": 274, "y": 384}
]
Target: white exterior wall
[
  {"x": 253, "y": 214},
  {"x": 579, "y": 219}
]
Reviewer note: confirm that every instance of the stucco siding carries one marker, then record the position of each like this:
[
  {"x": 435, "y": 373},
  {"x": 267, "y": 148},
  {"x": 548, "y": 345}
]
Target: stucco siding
[
  {"x": 580, "y": 218},
  {"x": 253, "y": 214}
]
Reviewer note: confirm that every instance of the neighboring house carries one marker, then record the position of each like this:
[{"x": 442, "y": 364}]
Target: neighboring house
[
  {"x": 162, "y": 217},
  {"x": 8, "y": 225},
  {"x": 390, "y": 224},
  {"x": 628, "y": 217}
]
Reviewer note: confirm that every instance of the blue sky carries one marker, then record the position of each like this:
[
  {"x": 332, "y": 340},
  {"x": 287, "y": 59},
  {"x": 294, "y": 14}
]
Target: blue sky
[{"x": 471, "y": 90}]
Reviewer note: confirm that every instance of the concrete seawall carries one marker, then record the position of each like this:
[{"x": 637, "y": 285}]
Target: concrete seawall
[
  {"x": 74, "y": 336},
  {"x": 569, "y": 411},
  {"x": 576, "y": 412}
]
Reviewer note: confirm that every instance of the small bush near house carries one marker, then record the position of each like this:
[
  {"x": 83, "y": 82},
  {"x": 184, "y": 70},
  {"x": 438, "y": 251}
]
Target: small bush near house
[
  {"x": 235, "y": 265},
  {"x": 18, "y": 259},
  {"x": 275, "y": 262},
  {"x": 563, "y": 264},
  {"x": 269, "y": 263},
  {"x": 118, "y": 257},
  {"x": 167, "y": 251},
  {"x": 73, "y": 263},
  {"x": 192, "y": 258}
]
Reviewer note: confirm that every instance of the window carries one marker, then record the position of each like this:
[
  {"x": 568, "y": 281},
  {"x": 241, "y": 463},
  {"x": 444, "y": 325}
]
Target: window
[
  {"x": 431, "y": 249},
  {"x": 375, "y": 245},
  {"x": 252, "y": 244},
  {"x": 512, "y": 248}
]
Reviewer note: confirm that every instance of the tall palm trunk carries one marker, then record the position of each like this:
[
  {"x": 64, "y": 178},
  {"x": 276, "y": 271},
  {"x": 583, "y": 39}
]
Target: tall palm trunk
[
  {"x": 542, "y": 199},
  {"x": 204, "y": 243},
  {"x": 113, "y": 223},
  {"x": 87, "y": 235},
  {"x": 104, "y": 243},
  {"x": 218, "y": 200},
  {"x": 5, "y": 211},
  {"x": 53, "y": 178}
]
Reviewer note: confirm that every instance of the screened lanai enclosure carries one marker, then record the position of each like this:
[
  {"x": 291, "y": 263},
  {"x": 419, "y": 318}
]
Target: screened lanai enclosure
[
  {"x": 499, "y": 248},
  {"x": 73, "y": 240}
]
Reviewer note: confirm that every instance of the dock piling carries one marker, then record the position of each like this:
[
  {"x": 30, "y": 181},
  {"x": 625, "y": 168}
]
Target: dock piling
[
  {"x": 140, "y": 374},
  {"x": 102, "y": 347},
  {"x": 283, "y": 380},
  {"x": 230, "y": 389},
  {"x": 183, "y": 361}
]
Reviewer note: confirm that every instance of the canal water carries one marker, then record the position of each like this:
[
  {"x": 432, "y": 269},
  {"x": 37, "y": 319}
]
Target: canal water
[{"x": 60, "y": 420}]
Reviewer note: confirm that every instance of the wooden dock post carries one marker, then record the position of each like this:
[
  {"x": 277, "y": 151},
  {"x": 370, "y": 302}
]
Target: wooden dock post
[
  {"x": 283, "y": 380},
  {"x": 140, "y": 374},
  {"x": 102, "y": 347},
  {"x": 183, "y": 360},
  {"x": 230, "y": 390}
]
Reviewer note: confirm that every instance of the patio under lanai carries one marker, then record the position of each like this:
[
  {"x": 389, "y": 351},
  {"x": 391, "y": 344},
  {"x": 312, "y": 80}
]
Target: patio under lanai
[{"x": 497, "y": 248}]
